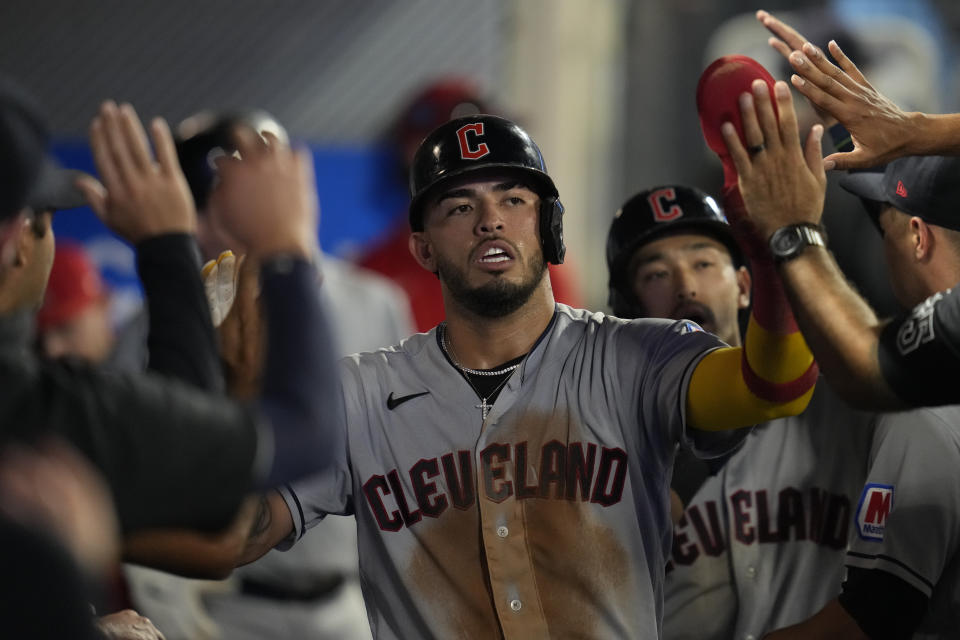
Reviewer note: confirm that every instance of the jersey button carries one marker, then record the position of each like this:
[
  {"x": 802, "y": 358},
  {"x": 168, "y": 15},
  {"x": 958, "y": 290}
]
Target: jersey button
[
  {"x": 515, "y": 605},
  {"x": 503, "y": 532},
  {"x": 752, "y": 572},
  {"x": 749, "y": 637}
]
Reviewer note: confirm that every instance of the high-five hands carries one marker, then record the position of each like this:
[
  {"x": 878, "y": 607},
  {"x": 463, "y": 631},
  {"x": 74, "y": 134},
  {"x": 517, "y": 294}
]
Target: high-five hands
[
  {"x": 140, "y": 196},
  {"x": 880, "y": 130},
  {"x": 267, "y": 197},
  {"x": 781, "y": 182}
]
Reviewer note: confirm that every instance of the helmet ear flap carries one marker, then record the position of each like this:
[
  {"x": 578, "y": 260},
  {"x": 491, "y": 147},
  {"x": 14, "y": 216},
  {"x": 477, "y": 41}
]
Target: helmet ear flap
[
  {"x": 620, "y": 298},
  {"x": 551, "y": 230}
]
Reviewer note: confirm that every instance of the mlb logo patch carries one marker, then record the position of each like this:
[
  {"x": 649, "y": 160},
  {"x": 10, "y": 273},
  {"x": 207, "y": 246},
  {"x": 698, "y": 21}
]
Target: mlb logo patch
[
  {"x": 874, "y": 508},
  {"x": 688, "y": 327}
]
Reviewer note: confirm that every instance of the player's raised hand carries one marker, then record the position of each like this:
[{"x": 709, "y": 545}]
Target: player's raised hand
[
  {"x": 233, "y": 290},
  {"x": 781, "y": 182},
  {"x": 880, "y": 130},
  {"x": 267, "y": 197},
  {"x": 138, "y": 196},
  {"x": 785, "y": 41}
]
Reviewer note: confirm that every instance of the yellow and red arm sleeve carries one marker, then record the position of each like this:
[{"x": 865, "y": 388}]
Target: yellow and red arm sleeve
[{"x": 773, "y": 375}]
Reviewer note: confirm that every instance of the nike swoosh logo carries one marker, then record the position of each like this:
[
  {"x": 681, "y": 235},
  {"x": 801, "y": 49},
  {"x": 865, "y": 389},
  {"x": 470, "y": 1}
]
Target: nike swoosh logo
[{"x": 393, "y": 403}]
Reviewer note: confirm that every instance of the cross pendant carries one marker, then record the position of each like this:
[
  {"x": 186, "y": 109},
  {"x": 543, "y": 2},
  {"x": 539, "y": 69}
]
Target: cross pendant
[{"x": 484, "y": 408}]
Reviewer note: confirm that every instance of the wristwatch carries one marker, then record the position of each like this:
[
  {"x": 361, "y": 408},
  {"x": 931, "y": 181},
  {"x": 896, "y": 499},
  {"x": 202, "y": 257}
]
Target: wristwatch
[{"x": 787, "y": 242}]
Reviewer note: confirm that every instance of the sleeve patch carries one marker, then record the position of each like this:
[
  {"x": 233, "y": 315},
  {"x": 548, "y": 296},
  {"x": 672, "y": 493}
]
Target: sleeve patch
[
  {"x": 918, "y": 328},
  {"x": 876, "y": 503},
  {"x": 686, "y": 326}
]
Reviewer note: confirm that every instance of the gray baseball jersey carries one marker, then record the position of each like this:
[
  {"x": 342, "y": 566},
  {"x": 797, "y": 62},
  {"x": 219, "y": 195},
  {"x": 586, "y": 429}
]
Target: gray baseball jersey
[
  {"x": 907, "y": 519},
  {"x": 764, "y": 541},
  {"x": 548, "y": 519}
]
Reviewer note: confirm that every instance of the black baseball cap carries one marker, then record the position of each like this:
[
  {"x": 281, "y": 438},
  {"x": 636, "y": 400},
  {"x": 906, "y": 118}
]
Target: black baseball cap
[
  {"x": 31, "y": 178},
  {"x": 924, "y": 186}
]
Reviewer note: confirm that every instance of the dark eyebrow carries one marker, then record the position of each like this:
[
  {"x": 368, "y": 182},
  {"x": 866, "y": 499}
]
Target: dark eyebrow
[
  {"x": 653, "y": 257},
  {"x": 693, "y": 246},
  {"x": 507, "y": 186},
  {"x": 465, "y": 192},
  {"x": 454, "y": 193},
  {"x": 701, "y": 244}
]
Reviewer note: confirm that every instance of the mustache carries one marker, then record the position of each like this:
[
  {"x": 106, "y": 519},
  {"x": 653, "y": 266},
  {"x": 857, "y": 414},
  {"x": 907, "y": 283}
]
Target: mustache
[{"x": 696, "y": 311}]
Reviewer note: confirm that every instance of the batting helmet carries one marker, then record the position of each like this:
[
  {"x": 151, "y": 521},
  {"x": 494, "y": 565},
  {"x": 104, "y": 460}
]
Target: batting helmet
[
  {"x": 474, "y": 143},
  {"x": 207, "y": 135},
  {"x": 652, "y": 214}
]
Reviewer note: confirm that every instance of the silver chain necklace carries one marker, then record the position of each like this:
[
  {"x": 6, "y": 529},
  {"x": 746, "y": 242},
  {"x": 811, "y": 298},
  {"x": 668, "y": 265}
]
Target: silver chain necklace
[
  {"x": 447, "y": 349},
  {"x": 483, "y": 406}
]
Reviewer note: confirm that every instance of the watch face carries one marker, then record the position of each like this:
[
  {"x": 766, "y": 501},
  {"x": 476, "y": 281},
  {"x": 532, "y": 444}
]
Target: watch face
[{"x": 785, "y": 241}]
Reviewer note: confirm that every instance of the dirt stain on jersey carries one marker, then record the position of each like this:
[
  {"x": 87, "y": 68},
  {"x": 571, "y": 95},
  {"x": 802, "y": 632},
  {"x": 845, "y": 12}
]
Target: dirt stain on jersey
[
  {"x": 582, "y": 571},
  {"x": 449, "y": 572}
]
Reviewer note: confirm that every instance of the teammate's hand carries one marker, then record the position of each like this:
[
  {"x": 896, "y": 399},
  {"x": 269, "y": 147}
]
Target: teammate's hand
[
  {"x": 267, "y": 197},
  {"x": 880, "y": 130},
  {"x": 787, "y": 41},
  {"x": 128, "y": 625},
  {"x": 139, "y": 197},
  {"x": 781, "y": 182},
  {"x": 242, "y": 333}
]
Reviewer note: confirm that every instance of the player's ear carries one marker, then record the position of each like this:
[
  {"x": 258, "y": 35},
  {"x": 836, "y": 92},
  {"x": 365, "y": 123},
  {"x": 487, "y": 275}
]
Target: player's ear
[
  {"x": 422, "y": 251},
  {"x": 11, "y": 232},
  {"x": 744, "y": 281},
  {"x": 17, "y": 239},
  {"x": 921, "y": 236}
]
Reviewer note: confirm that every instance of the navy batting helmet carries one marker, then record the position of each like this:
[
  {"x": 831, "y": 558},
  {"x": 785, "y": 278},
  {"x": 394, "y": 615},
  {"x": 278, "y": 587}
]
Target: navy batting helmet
[
  {"x": 652, "y": 214},
  {"x": 207, "y": 135},
  {"x": 481, "y": 142}
]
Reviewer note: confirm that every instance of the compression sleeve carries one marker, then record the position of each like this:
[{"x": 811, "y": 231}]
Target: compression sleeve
[
  {"x": 771, "y": 376},
  {"x": 919, "y": 352},
  {"x": 181, "y": 341},
  {"x": 300, "y": 389}
]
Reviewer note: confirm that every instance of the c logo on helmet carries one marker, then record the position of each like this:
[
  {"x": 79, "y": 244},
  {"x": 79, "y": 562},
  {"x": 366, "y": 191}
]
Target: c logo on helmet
[
  {"x": 467, "y": 152},
  {"x": 661, "y": 198}
]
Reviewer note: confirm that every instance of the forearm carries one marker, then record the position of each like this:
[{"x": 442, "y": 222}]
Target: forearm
[
  {"x": 934, "y": 134},
  {"x": 840, "y": 327},
  {"x": 181, "y": 341},
  {"x": 772, "y": 376},
  {"x": 300, "y": 393},
  {"x": 720, "y": 399},
  {"x": 191, "y": 553},
  {"x": 262, "y": 522},
  {"x": 777, "y": 363}
]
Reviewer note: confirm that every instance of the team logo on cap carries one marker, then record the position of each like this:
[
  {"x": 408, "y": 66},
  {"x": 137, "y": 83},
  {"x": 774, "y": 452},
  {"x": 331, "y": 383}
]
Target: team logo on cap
[
  {"x": 663, "y": 202},
  {"x": 901, "y": 190},
  {"x": 467, "y": 150},
  {"x": 874, "y": 508}
]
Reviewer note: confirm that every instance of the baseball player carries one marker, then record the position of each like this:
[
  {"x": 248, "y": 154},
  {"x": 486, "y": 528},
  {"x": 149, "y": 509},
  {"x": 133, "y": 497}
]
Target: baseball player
[
  {"x": 761, "y": 544},
  {"x": 149, "y": 435},
  {"x": 904, "y": 549},
  {"x": 437, "y": 102},
  {"x": 509, "y": 469},
  {"x": 313, "y": 591},
  {"x": 862, "y": 356}
]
